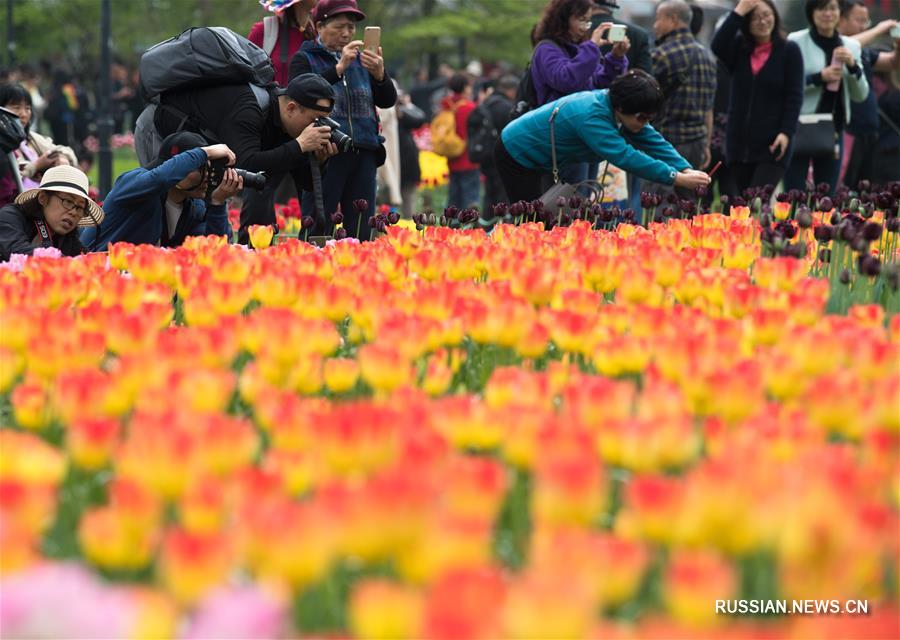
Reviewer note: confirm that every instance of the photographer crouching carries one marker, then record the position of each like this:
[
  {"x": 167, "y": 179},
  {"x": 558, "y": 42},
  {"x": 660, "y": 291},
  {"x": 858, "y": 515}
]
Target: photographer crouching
[{"x": 166, "y": 202}]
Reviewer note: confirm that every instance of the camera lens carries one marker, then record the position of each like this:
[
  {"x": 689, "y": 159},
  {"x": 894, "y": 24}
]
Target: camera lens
[
  {"x": 253, "y": 180},
  {"x": 340, "y": 139}
]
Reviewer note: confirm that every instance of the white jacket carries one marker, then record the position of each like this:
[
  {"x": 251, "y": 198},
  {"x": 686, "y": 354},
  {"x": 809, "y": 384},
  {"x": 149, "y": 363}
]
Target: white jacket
[{"x": 855, "y": 89}]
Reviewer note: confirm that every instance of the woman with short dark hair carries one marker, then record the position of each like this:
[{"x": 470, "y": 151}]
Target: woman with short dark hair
[
  {"x": 49, "y": 215},
  {"x": 833, "y": 78},
  {"x": 590, "y": 126},
  {"x": 567, "y": 59},
  {"x": 766, "y": 92},
  {"x": 37, "y": 153}
]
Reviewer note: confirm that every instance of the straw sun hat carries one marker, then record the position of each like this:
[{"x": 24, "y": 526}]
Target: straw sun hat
[{"x": 66, "y": 179}]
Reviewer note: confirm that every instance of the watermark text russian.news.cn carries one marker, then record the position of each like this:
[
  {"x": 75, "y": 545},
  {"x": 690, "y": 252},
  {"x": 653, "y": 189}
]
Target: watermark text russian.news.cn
[{"x": 792, "y": 607}]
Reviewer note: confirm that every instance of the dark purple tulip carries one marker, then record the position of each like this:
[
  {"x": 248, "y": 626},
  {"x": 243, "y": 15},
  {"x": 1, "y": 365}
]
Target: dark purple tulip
[
  {"x": 337, "y": 217},
  {"x": 739, "y": 202},
  {"x": 646, "y": 200},
  {"x": 537, "y": 206},
  {"x": 893, "y": 225},
  {"x": 783, "y": 197},
  {"x": 672, "y": 198},
  {"x": 574, "y": 202},
  {"x": 361, "y": 205},
  {"x": 451, "y": 212},
  {"x": 845, "y": 276},
  {"x": 340, "y": 234},
  {"x": 895, "y": 189},
  {"x": 825, "y": 204},
  {"x": 724, "y": 200},
  {"x": 393, "y": 217},
  {"x": 500, "y": 209},
  {"x": 823, "y": 188},
  {"x": 307, "y": 222},
  {"x": 700, "y": 192},
  {"x": 869, "y": 266},
  {"x": 804, "y": 218},
  {"x": 823, "y": 233},
  {"x": 561, "y": 202},
  {"x": 871, "y": 231},
  {"x": 825, "y": 255},
  {"x": 864, "y": 185}
]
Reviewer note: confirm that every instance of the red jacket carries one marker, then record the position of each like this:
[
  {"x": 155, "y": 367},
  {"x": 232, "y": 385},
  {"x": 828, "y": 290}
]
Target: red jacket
[
  {"x": 297, "y": 38},
  {"x": 466, "y": 106}
]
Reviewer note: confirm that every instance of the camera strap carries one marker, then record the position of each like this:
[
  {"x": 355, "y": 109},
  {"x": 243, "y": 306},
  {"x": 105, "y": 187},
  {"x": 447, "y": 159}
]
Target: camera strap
[{"x": 44, "y": 233}]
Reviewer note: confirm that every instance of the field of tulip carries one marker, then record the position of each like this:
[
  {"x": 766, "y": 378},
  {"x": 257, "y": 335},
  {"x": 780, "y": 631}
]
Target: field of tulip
[{"x": 444, "y": 433}]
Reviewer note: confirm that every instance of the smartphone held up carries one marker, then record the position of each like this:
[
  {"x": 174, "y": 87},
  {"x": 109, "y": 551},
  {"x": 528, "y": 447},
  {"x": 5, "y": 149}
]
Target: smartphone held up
[{"x": 372, "y": 39}]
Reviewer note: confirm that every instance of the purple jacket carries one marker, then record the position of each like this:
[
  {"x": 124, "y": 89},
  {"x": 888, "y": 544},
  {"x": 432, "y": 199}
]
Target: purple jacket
[{"x": 558, "y": 72}]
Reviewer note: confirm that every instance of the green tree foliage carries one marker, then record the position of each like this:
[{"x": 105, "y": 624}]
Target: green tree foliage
[{"x": 68, "y": 31}]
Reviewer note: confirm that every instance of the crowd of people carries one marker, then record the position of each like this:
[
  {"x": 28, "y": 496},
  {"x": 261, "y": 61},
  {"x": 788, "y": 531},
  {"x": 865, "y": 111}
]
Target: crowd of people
[{"x": 819, "y": 104}]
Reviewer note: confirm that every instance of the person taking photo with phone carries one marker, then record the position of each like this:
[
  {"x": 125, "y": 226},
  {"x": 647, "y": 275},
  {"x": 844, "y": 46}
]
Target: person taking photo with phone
[
  {"x": 833, "y": 78},
  {"x": 862, "y": 132},
  {"x": 361, "y": 84},
  {"x": 567, "y": 58}
]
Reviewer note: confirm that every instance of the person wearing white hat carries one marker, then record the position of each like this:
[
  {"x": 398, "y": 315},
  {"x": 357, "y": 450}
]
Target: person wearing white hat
[{"x": 49, "y": 215}]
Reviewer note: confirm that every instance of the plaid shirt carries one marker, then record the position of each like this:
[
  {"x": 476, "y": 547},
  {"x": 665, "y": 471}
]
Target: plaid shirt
[{"x": 687, "y": 76}]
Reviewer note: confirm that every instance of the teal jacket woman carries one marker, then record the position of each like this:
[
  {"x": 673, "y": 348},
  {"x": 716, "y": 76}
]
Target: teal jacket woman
[{"x": 586, "y": 130}]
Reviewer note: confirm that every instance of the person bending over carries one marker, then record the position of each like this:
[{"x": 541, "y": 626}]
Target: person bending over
[{"x": 609, "y": 124}]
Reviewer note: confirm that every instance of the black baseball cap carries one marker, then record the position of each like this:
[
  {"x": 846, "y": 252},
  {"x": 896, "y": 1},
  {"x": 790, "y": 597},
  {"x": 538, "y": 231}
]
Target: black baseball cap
[
  {"x": 307, "y": 89},
  {"x": 612, "y": 4},
  {"x": 176, "y": 143}
]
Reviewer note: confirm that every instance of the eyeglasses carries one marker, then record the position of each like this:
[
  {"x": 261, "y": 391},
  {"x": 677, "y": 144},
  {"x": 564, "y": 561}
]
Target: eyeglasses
[
  {"x": 585, "y": 24},
  {"x": 71, "y": 205}
]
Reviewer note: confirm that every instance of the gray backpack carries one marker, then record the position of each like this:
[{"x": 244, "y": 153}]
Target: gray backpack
[{"x": 198, "y": 57}]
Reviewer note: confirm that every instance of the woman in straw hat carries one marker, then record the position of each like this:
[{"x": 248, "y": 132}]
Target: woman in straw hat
[{"x": 49, "y": 215}]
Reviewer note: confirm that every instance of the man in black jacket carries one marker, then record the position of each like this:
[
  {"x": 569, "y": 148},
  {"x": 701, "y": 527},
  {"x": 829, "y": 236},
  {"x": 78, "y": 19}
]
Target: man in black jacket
[{"x": 278, "y": 139}]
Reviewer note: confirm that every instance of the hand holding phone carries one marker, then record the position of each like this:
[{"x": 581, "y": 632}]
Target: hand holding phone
[{"x": 616, "y": 33}]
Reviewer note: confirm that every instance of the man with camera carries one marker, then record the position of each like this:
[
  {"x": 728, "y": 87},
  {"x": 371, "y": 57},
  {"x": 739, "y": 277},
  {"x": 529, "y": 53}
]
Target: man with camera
[
  {"x": 166, "y": 202},
  {"x": 276, "y": 140}
]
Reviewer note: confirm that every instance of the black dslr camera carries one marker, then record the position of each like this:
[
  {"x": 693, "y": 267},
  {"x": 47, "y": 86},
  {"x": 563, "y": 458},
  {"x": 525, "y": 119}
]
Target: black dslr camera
[
  {"x": 216, "y": 172},
  {"x": 340, "y": 139}
]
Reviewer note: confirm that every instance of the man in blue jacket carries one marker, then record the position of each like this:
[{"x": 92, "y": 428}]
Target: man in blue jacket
[
  {"x": 609, "y": 124},
  {"x": 163, "y": 204}
]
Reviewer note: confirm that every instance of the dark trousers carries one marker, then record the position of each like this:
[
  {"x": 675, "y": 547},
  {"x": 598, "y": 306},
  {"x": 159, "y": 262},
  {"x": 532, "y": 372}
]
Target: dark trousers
[
  {"x": 861, "y": 165},
  {"x": 350, "y": 176},
  {"x": 258, "y": 207},
  {"x": 825, "y": 169},
  {"x": 755, "y": 174},
  {"x": 494, "y": 193},
  {"x": 521, "y": 183}
]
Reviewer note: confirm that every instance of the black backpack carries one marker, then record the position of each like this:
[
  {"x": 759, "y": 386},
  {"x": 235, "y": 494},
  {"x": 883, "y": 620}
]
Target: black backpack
[
  {"x": 526, "y": 96},
  {"x": 204, "y": 57},
  {"x": 483, "y": 134},
  {"x": 198, "y": 57}
]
